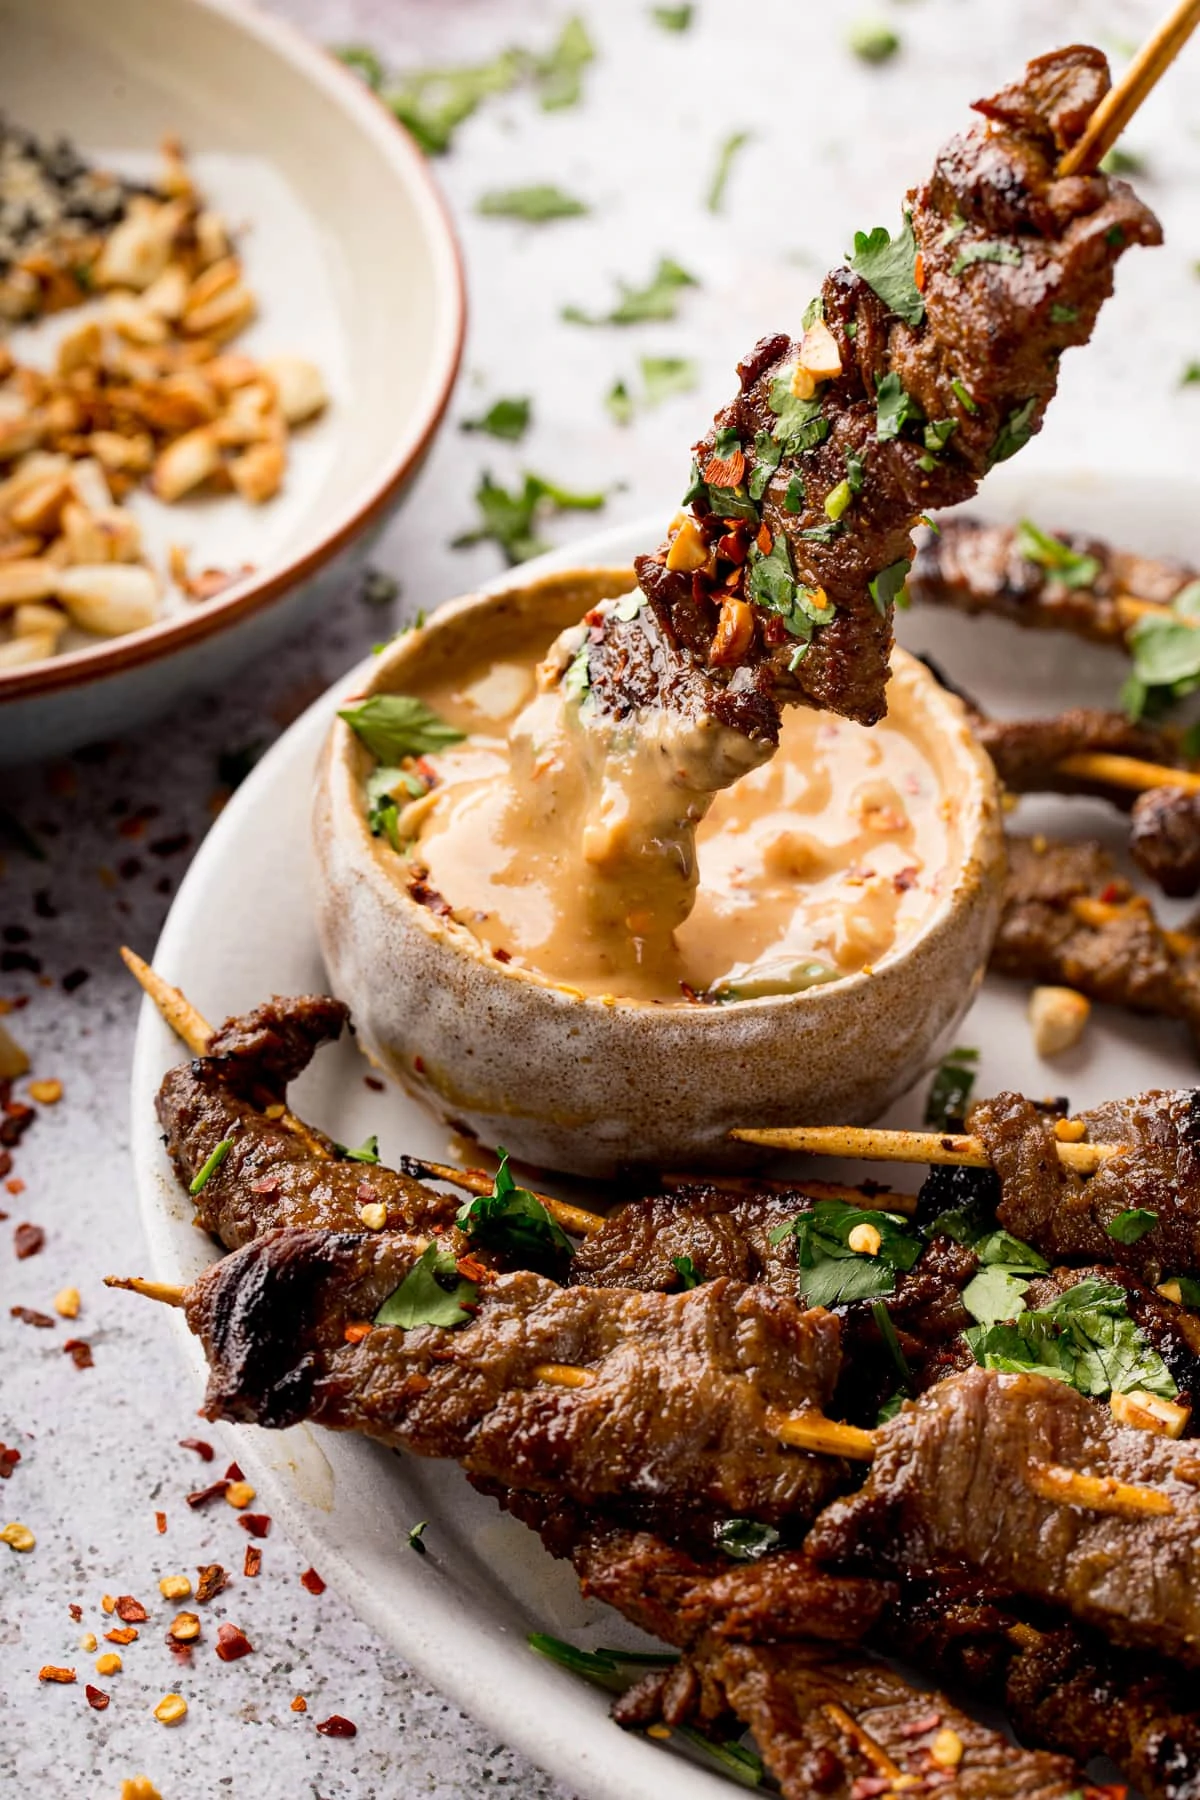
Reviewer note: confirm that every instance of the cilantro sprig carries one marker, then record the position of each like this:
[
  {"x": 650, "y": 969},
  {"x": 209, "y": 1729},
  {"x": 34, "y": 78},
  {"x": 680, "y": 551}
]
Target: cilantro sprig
[
  {"x": 1085, "y": 1338},
  {"x": 537, "y": 204},
  {"x": 658, "y": 300},
  {"x": 888, "y": 265},
  {"x": 506, "y": 418},
  {"x": 432, "y": 1293},
  {"x": 1165, "y": 651},
  {"x": 510, "y": 519},
  {"x": 514, "y": 1222},
  {"x": 394, "y": 726}
]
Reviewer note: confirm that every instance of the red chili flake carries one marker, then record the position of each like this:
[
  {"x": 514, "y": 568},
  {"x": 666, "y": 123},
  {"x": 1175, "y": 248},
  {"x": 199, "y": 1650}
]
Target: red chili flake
[
  {"x": 299, "y": 1704},
  {"x": 232, "y": 1643},
  {"x": 160, "y": 1523},
  {"x": 76, "y": 1613},
  {"x": 419, "y": 1065},
  {"x": 373, "y": 1082},
  {"x": 122, "y": 1634},
  {"x": 312, "y": 1581},
  {"x": 203, "y": 1450},
  {"x": 257, "y": 1524},
  {"x": 1111, "y": 894},
  {"x": 267, "y": 1184},
  {"x": 235, "y": 1472},
  {"x": 904, "y": 879},
  {"x": 336, "y": 1726},
  {"x": 253, "y": 1561},
  {"x": 725, "y": 471},
  {"x": 471, "y": 1268},
  {"x": 27, "y": 1316},
  {"x": 212, "y": 1579},
  {"x": 502, "y": 956},
  {"x": 48, "y": 1672},
  {"x": 96, "y": 1697},
  {"x": 202, "y": 1496},
  {"x": 14, "y": 1185},
  {"x": 732, "y": 547},
  {"x": 364, "y": 1193},
  {"x": 357, "y": 1331},
  {"x": 28, "y": 1240},
  {"x": 919, "y": 273},
  {"x": 5, "y": 1161},
  {"x": 764, "y": 540},
  {"x": 80, "y": 1352}
]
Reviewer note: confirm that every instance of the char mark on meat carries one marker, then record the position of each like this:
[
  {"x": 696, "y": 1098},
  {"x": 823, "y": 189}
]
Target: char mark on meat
[
  {"x": 675, "y": 1413},
  {"x": 978, "y": 568},
  {"x": 959, "y": 1478}
]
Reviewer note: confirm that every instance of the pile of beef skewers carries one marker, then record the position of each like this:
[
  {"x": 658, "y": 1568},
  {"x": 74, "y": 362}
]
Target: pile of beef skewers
[{"x": 1014, "y": 1537}]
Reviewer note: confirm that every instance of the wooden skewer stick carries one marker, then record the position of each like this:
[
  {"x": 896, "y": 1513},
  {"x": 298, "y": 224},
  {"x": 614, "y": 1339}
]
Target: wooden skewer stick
[
  {"x": 477, "y": 1181},
  {"x": 862, "y": 1740},
  {"x": 812, "y": 1431},
  {"x": 1097, "y": 1493},
  {"x": 875, "y": 1145},
  {"x": 872, "y": 1198},
  {"x": 166, "y": 1292},
  {"x": 1127, "y": 772},
  {"x": 1122, "y": 101}
]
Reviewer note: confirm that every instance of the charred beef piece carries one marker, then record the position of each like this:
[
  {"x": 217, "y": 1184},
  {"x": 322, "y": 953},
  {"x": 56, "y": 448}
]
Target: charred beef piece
[
  {"x": 269, "y": 1176},
  {"x": 965, "y": 1475},
  {"x": 840, "y": 1724},
  {"x": 1165, "y": 839},
  {"x": 1071, "y": 918},
  {"x": 978, "y": 568},
  {"x": 913, "y": 393},
  {"x": 1067, "y": 1215},
  {"x": 675, "y": 1415}
]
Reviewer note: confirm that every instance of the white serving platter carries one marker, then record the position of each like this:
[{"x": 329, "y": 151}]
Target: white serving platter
[{"x": 241, "y": 928}]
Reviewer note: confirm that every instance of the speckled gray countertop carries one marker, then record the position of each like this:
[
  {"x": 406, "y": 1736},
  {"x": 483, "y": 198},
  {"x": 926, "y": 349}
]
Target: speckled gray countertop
[{"x": 831, "y": 144}]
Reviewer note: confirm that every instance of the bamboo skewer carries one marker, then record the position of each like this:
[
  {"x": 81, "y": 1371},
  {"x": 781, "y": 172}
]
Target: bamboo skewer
[
  {"x": 873, "y": 1144},
  {"x": 1127, "y": 772},
  {"x": 574, "y": 1219},
  {"x": 811, "y": 1431},
  {"x": 1122, "y": 101}
]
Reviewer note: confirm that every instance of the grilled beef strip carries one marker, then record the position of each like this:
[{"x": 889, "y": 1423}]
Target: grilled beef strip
[
  {"x": 675, "y": 1414},
  {"x": 959, "y": 1477},
  {"x": 1071, "y": 918},
  {"x": 979, "y": 568},
  {"x": 269, "y": 1177},
  {"x": 1164, "y": 839},
  {"x": 1006, "y": 268}
]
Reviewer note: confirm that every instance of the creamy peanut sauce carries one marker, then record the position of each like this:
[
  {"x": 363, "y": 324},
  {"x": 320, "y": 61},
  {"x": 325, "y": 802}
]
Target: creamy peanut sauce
[{"x": 598, "y": 854}]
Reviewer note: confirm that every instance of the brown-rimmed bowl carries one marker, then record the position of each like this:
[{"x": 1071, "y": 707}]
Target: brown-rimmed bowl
[
  {"x": 592, "y": 1085},
  {"x": 355, "y": 265}
]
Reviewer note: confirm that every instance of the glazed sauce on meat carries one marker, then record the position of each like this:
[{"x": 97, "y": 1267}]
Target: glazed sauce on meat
[{"x": 599, "y": 856}]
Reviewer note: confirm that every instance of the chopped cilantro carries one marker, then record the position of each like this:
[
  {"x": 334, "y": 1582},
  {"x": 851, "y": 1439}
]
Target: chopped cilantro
[
  {"x": 794, "y": 499},
  {"x": 672, "y": 18},
  {"x": 813, "y": 311},
  {"x": 886, "y": 264},
  {"x": 366, "y": 1153},
  {"x": 506, "y": 419},
  {"x": 838, "y": 499},
  {"x": 509, "y": 519},
  {"x": 1115, "y": 236},
  {"x": 772, "y": 584},
  {"x": 394, "y": 726},
  {"x": 658, "y": 300},
  {"x": 872, "y": 40},
  {"x": 987, "y": 250},
  {"x": 894, "y": 408},
  {"x": 383, "y": 806},
  {"x": 1063, "y": 315},
  {"x": 365, "y": 63},
  {"x": 1128, "y": 1226},
  {"x": 432, "y": 1293},
  {"x": 801, "y": 426},
  {"x": 1190, "y": 374},
  {"x": 855, "y": 472},
  {"x": 1069, "y": 566},
  {"x": 822, "y": 534},
  {"x": 745, "y": 1540},
  {"x": 885, "y": 587},
  {"x": 995, "y": 1293},
  {"x": 730, "y": 146},
  {"x": 954, "y": 229},
  {"x": 937, "y": 434},
  {"x": 1165, "y": 650},
  {"x": 767, "y": 456},
  {"x": 514, "y": 1222},
  {"x": 619, "y": 402},
  {"x": 1189, "y": 1290},
  {"x": 209, "y": 1167},
  {"x": 1122, "y": 162},
  {"x": 433, "y": 103},
  {"x": 537, "y": 205},
  {"x": 559, "y": 75},
  {"x": 663, "y": 376},
  {"x": 415, "y": 1537},
  {"x": 829, "y": 1272},
  {"x": 685, "y": 1268},
  {"x": 577, "y": 680},
  {"x": 1085, "y": 1338},
  {"x": 377, "y": 588},
  {"x": 1015, "y": 432},
  {"x": 950, "y": 1090},
  {"x": 603, "y": 1667},
  {"x": 890, "y": 1407},
  {"x": 887, "y": 1331}
]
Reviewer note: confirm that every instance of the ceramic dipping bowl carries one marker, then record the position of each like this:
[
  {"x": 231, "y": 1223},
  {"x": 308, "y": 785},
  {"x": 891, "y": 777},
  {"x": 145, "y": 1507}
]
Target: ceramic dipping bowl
[{"x": 590, "y": 1085}]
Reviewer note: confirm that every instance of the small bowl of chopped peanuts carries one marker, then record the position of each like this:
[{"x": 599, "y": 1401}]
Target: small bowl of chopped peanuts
[{"x": 216, "y": 371}]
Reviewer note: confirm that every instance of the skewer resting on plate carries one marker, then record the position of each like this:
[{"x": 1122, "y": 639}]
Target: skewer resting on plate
[{"x": 877, "y": 1145}]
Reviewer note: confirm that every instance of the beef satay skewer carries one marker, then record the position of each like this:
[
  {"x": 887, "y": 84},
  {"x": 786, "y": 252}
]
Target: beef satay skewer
[
  {"x": 1118, "y": 106},
  {"x": 811, "y": 1430},
  {"x": 873, "y": 1144}
]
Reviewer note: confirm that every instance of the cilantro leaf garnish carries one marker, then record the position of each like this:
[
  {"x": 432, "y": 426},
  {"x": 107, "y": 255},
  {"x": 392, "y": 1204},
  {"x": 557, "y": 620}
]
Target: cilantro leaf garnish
[
  {"x": 415, "y": 1537},
  {"x": 383, "y": 808},
  {"x": 432, "y": 1293},
  {"x": 394, "y": 726},
  {"x": 365, "y": 63},
  {"x": 1132, "y": 1224},
  {"x": 885, "y": 588},
  {"x": 950, "y": 1090},
  {"x": 829, "y": 1272},
  {"x": 536, "y": 205},
  {"x": 1085, "y": 1338},
  {"x": 506, "y": 418},
  {"x": 366, "y": 1153},
  {"x": 658, "y": 300},
  {"x": 1071, "y": 567},
  {"x": 887, "y": 1331},
  {"x": 995, "y": 1293},
  {"x": 509, "y": 519},
  {"x": 771, "y": 583},
  {"x": 685, "y": 1268},
  {"x": 577, "y": 679},
  {"x": 737, "y": 140},
  {"x": 559, "y": 74},
  {"x": 937, "y": 434},
  {"x": 767, "y": 457},
  {"x": 801, "y": 426},
  {"x": 988, "y": 250},
  {"x": 619, "y": 402},
  {"x": 1063, "y": 315},
  {"x": 672, "y": 18},
  {"x": 433, "y": 103},
  {"x": 514, "y": 1222},
  {"x": 894, "y": 408},
  {"x": 1015, "y": 432},
  {"x": 664, "y": 376},
  {"x": 745, "y": 1540},
  {"x": 887, "y": 265},
  {"x": 795, "y": 499}
]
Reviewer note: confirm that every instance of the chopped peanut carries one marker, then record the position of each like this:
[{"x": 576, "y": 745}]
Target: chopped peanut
[
  {"x": 239, "y": 1494},
  {"x": 947, "y": 1748},
  {"x": 373, "y": 1215},
  {"x": 170, "y": 1709},
  {"x": 1070, "y": 1131},
  {"x": 1058, "y": 1016},
  {"x": 1171, "y": 1290},
  {"x": 174, "y": 1587},
  {"x": 109, "y": 1663},
  {"x": 184, "y": 1627},
  {"x": 17, "y": 1537},
  {"x": 734, "y": 633},
  {"x": 88, "y": 1642},
  {"x": 1150, "y": 1412},
  {"x": 66, "y": 1303},
  {"x": 108, "y": 1603},
  {"x": 46, "y": 1093},
  {"x": 688, "y": 550},
  {"x": 139, "y": 1788},
  {"x": 864, "y": 1239},
  {"x": 819, "y": 354}
]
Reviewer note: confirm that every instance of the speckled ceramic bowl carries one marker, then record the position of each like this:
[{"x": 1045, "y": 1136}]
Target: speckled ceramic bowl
[{"x": 590, "y": 1086}]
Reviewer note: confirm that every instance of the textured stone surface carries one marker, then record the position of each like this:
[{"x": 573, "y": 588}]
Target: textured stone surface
[{"x": 832, "y": 144}]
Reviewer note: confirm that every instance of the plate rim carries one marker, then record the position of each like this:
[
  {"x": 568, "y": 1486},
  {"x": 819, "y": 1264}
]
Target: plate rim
[{"x": 246, "y": 598}]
